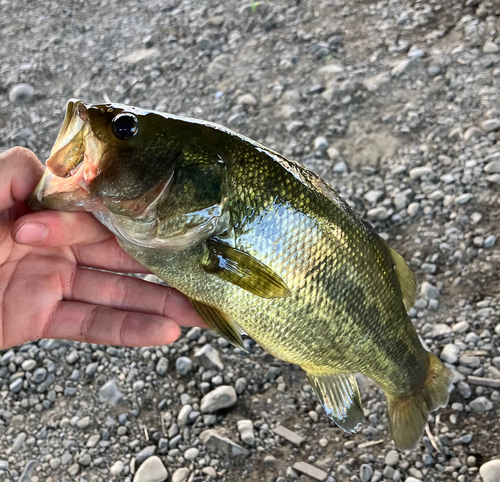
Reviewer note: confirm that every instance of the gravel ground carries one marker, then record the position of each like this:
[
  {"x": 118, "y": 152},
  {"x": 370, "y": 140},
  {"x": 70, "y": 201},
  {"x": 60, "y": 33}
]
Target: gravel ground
[{"x": 396, "y": 104}]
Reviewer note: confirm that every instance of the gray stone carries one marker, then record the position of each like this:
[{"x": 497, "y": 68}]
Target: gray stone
[
  {"x": 85, "y": 460},
  {"x": 181, "y": 475},
  {"x": 365, "y": 472},
  {"x": 145, "y": 453},
  {"x": 245, "y": 428},
  {"x": 183, "y": 365},
  {"x": 418, "y": 172},
  {"x": 184, "y": 412},
  {"x": 490, "y": 471},
  {"x": 109, "y": 393},
  {"x": 215, "y": 442},
  {"x": 470, "y": 361},
  {"x": 141, "y": 55},
  {"x": 16, "y": 385},
  {"x": 491, "y": 48},
  {"x": 191, "y": 453},
  {"x": 450, "y": 353},
  {"x": 93, "y": 440},
  {"x": 240, "y": 385},
  {"x": 492, "y": 167},
  {"x": 247, "y": 99},
  {"x": 400, "y": 201},
  {"x": 377, "y": 214},
  {"x": 392, "y": 458},
  {"x": 28, "y": 470},
  {"x": 340, "y": 167},
  {"x": 152, "y": 470},
  {"x": 218, "y": 66},
  {"x": 399, "y": 68},
  {"x": 83, "y": 423},
  {"x": 209, "y": 357},
  {"x": 210, "y": 471},
  {"x": 287, "y": 434},
  {"x": 218, "y": 399},
  {"x": 162, "y": 366},
  {"x": 490, "y": 125},
  {"x": 18, "y": 442},
  {"x": 117, "y": 468},
  {"x": 310, "y": 471},
  {"x": 4, "y": 465},
  {"x": 439, "y": 329},
  {"x": 21, "y": 93},
  {"x": 489, "y": 241},
  {"x": 28, "y": 365},
  {"x": 480, "y": 405},
  {"x": 428, "y": 290},
  {"x": 463, "y": 198},
  {"x": 39, "y": 375},
  {"x": 373, "y": 196},
  {"x": 320, "y": 144}
]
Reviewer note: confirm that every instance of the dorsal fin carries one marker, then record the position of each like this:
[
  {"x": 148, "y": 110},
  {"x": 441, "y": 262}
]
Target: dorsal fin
[
  {"x": 340, "y": 397},
  {"x": 406, "y": 278}
]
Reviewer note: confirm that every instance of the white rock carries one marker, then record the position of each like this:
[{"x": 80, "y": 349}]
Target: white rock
[
  {"x": 491, "y": 48},
  {"x": 180, "y": 475},
  {"x": 151, "y": 470},
  {"x": 222, "y": 397},
  {"x": 245, "y": 427},
  {"x": 117, "y": 468},
  {"x": 399, "y": 68},
  {"x": 140, "y": 55},
  {"x": 450, "y": 353},
  {"x": 490, "y": 471}
]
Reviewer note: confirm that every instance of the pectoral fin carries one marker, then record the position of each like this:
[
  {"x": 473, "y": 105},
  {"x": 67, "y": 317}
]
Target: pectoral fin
[
  {"x": 339, "y": 395},
  {"x": 406, "y": 279},
  {"x": 244, "y": 270},
  {"x": 220, "y": 323}
]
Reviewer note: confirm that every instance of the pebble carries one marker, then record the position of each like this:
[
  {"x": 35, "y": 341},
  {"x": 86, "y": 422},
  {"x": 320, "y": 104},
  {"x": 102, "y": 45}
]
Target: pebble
[
  {"x": 287, "y": 434},
  {"x": 492, "y": 167},
  {"x": 490, "y": 471},
  {"x": 183, "y": 365},
  {"x": 480, "y": 405},
  {"x": 310, "y": 471},
  {"x": 184, "y": 412},
  {"x": 117, "y": 468},
  {"x": 28, "y": 365},
  {"x": 490, "y": 48},
  {"x": 28, "y": 470},
  {"x": 141, "y": 55},
  {"x": 181, "y": 475},
  {"x": 412, "y": 479},
  {"x": 490, "y": 125},
  {"x": 428, "y": 290},
  {"x": 18, "y": 442},
  {"x": 109, "y": 393},
  {"x": 222, "y": 397},
  {"x": 450, "y": 352},
  {"x": 399, "y": 68},
  {"x": 209, "y": 357},
  {"x": 377, "y": 214},
  {"x": 152, "y": 470},
  {"x": 162, "y": 366},
  {"x": 215, "y": 442},
  {"x": 245, "y": 428},
  {"x": 373, "y": 196},
  {"x": 365, "y": 472},
  {"x": 418, "y": 172},
  {"x": 191, "y": 453},
  {"x": 392, "y": 458},
  {"x": 145, "y": 453},
  {"x": 21, "y": 93}
]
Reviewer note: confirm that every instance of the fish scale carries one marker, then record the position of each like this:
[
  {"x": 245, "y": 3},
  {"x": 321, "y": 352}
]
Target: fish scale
[{"x": 258, "y": 243}]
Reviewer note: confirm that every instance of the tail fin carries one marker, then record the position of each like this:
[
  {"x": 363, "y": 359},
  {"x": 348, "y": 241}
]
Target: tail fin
[{"x": 408, "y": 415}]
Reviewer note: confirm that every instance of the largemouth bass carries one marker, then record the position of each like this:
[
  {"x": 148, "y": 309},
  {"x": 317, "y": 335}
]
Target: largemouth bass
[{"x": 260, "y": 245}]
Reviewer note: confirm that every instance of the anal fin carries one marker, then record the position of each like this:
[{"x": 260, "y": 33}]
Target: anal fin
[
  {"x": 340, "y": 397},
  {"x": 220, "y": 323}
]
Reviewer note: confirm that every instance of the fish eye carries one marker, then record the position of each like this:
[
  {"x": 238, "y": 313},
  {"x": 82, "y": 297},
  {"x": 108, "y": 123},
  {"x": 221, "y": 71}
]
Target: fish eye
[{"x": 125, "y": 126}]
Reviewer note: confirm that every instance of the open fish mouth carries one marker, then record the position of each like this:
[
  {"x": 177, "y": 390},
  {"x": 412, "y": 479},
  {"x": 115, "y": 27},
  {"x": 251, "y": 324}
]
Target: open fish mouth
[{"x": 72, "y": 166}]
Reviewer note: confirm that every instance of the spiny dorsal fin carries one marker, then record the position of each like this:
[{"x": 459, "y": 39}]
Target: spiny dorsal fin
[
  {"x": 340, "y": 397},
  {"x": 244, "y": 270},
  {"x": 406, "y": 278},
  {"x": 220, "y": 323}
]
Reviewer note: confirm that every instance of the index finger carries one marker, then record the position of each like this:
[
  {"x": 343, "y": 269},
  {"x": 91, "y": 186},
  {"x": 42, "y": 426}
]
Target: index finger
[{"x": 20, "y": 171}]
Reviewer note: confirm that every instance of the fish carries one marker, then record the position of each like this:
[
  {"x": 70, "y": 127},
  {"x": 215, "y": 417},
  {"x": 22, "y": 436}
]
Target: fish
[{"x": 260, "y": 245}]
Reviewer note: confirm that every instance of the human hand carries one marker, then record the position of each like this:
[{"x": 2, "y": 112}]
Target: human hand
[{"x": 46, "y": 290}]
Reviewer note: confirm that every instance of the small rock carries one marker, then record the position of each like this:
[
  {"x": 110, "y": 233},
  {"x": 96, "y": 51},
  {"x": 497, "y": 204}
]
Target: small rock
[
  {"x": 377, "y": 214},
  {"x": 489, "y": 241},
  {"x": 184, "y": 412},
  {"x": 109, "y": 393},
  {"x": 21, "y": 93},
  {"x": 490, "y": 471},
  {"x": 372, "y": 84},
  {"x": 117, "y": 468},
  {"x": 428, "y": 290},
  {"x": 450, "y": 353},
  {"x": 245, "y": 428},
  {"x": 218, "y": 66},
  {"x": 492, "y": 167},
  {"x": 270, "y": 461},
  {"x": 310, "y": 471},
  {"x": 490, "y": 125},
  {"x": 152, "y": 470},
  {"x": 141, "y": 55},
  {"x": 399, "y": 68},
  {"x": 216, "y": 442},
  {"x": 365, "y": 472},
  {"x": 18, "y": 442},
  {"x": 28, "y": 365},
  {"x": 28, "y": 470},
  {"x": 491, "y": 48},
  {"x": 183, "y": 365},
  {"x": 287, "y": 434},
  {"x": 209, "y": 357},
  {"x": 145, "y": 453},
  {"x": 418, "y": 172},
  {"x": 181, "y": 475},
  {"x": 392, "y": 458},
  {"x": 246, "y": 99},
  {"x": 191, "y": 453},
  {"x": 373, "y": 196},
  {"x": 480, "y": 405},
  {"x": 222, "y": 397},
  {"x": 162, "y": 366},
  {"x": 463, "y": 198}
]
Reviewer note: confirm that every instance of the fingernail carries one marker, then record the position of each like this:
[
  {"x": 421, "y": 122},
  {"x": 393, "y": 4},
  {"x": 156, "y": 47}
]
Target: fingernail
[{"x": 31, "y": 233}]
